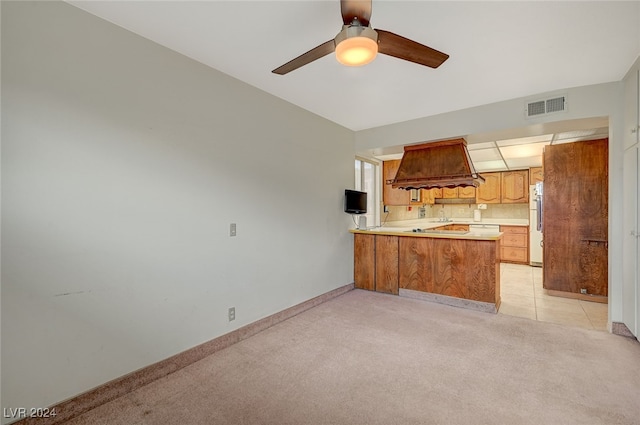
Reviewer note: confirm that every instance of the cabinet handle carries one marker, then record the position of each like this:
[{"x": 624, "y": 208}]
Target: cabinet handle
[{"x": 596, "y": 242}]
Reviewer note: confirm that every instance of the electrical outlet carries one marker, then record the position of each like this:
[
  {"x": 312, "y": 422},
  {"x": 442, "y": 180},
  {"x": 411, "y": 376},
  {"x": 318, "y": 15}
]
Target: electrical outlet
[
  {"x": 232, "y": 229},
  {"x": 232, "y": 313},
  {"x": 583, "y": 291},
  {"x": 422, "y": 212}
]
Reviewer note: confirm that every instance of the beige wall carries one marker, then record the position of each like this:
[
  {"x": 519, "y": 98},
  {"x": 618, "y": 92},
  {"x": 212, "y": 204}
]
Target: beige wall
[{"x": 123, "y": 165}]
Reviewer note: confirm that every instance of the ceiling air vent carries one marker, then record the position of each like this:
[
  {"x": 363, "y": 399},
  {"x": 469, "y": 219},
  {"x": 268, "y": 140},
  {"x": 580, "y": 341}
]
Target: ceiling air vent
[{"x": 546, "y": 106}]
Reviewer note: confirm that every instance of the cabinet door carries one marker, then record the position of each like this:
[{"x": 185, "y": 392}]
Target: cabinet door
[
  {"x": 467, "y": 192},
  {"x": 535, "y": 175},
  {"x": 387, "y": 264},
  {"x": 515, "y": 187},
  {"x": 489, "y": 191},
  {"x": 364, "y": 261},
  {"x": 449, "y": 192},
  {"x": 429, "y": 195},
  {"x": 575, "y": 211},
  {"x": 391, "y": 196}
]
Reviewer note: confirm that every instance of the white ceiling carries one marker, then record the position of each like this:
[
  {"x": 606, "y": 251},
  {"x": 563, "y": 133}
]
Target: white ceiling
[{"x": 499, "y": 50}]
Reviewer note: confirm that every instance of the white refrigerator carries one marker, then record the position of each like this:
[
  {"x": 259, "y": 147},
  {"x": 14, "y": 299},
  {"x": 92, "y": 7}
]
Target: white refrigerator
[{"x": 535, "y": 232}]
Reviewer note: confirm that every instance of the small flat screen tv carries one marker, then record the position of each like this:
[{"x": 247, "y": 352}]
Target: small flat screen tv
[{"x": 355, "y": 202}]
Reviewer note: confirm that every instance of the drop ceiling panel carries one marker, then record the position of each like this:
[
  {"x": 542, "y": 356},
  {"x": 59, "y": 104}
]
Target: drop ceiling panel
[
  {"x": 519, "y": 163},
  {"x": 525, "y": 140},
  {"x": 476, "y": 146},
  {"x": 490, "y": 166},
  {"x": 523, "y": 151},
  {"x": 485, "y": 155}
]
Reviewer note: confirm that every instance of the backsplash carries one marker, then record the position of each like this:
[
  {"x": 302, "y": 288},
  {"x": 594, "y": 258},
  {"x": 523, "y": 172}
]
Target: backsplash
[{"x": 453, "y": 211}]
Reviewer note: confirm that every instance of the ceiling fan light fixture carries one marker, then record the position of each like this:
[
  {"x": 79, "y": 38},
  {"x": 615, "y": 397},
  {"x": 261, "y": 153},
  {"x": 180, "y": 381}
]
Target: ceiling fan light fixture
[{"x": 356, "y": 45}]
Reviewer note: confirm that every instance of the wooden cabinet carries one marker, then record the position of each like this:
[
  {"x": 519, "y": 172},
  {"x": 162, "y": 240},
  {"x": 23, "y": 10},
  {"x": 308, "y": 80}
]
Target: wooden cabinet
[
  {"x": 576, "y": 211},
  {"x": 391, "y": 196},
  {"x": 429, "y": 195},
  {"x": 376, "y": 263},
  {"x": 515, "y": 187},
  {"x": 459, "y": 268},
  {"x": 507, "y": 187},
  {"x": 535, "y": 175},
  {"x": 515, "y": 244},
  {"x": 489, "y": 192},
  {"x": 467, "y": 192},
  {"x": 386, "y": 279},
  {"x": 449, "y": 192},
  {"x": 459, "y": 192},
  {"x": 364, "y": 261}
]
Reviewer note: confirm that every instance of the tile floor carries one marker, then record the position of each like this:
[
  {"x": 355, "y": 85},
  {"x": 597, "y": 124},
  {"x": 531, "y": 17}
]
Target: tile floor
[{"x": 522, "y": 295}]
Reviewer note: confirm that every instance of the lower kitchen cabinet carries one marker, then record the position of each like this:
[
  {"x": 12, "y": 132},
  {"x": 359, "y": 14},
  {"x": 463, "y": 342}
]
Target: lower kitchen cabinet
[
  {"x": 515, "y": 244},
  {"x": 376, "y": 263},
  {"x": 364, "y": 272},
  {"x": 387, "y": 264}
]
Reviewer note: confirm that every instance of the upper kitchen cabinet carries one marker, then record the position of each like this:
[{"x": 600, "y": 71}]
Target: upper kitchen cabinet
[
  {"x": 429, "y": 195},
  {"x": 467, "y": 192},
  {"x": 489, "y": 192},
  {"x": 449, "y": 192},
  {"x": 535, "y": 175},
  {"x": 391, "y": 196},
  {"x": 507, "y": 187},
  {"x": 515, "y": 187},
  {"x": 459, "y": 192}
]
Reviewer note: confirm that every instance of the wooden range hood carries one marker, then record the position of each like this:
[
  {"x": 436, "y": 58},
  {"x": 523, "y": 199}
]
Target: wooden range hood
[{"x": 436, "y": 164}]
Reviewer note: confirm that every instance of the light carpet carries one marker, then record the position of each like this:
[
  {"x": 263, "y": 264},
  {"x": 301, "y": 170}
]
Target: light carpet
[{"x": 370, "y": 358}]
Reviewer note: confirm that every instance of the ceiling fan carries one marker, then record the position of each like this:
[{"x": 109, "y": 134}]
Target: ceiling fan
[{"x": 357, "y": 43}]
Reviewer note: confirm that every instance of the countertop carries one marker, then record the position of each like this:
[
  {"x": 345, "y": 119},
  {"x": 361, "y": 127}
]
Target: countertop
[{"x": 403, "y": 228}]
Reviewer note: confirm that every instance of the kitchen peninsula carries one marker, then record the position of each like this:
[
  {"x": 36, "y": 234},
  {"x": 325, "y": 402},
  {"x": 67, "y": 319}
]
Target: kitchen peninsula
[{"x": 434, "y": 262}]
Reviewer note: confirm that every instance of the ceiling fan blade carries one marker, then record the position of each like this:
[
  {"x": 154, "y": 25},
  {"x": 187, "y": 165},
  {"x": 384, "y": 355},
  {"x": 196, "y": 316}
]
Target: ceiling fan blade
[
  {"x": 397, "y": 46},
  {"x": 305, "y": 58},
  {"x": 360, "y": 9}
]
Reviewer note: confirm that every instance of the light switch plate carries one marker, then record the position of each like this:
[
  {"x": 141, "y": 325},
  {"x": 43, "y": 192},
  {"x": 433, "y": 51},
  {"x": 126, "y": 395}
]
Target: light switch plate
[{"x": 232, "y": 229}]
